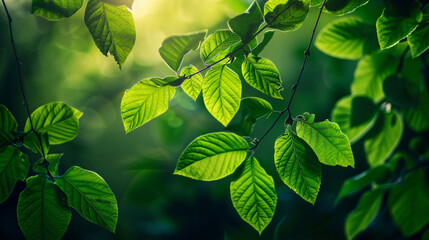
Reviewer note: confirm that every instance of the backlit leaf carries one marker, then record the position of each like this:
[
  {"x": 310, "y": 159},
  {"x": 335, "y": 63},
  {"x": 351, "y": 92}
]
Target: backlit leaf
[
  {"x": 286, "y": 15},
  {"x": 14, "y": 166},
  {"x": 217, "y": 45},
  {"x": 53, "y": 159},
  {"x": 268, "y": 35},
  {"x": 246, "y": 25},
  {"x": 342, "y": 7},
  {"x": 8, "y": 126},
  {"x": 417, "y": 40},
  {"x": 193, "y": 85},
  {"x": 55, "y": 10}
]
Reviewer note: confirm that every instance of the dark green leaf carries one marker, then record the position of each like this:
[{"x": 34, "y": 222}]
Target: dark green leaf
[
  {"x": 32, "y": 142},
  {"x": 342, "y": 7},
  {"x": 246, "y": 25},
  {"x": 363, "y": 109},
  {"x": 193, "y": 85},
  {"x": 167, "y": 81},
  {"x": 286, "y": 15},
  {"x": 8, "y": 126},
  {"x": 55, "y": 10},
  {"x": 417, "y": 119},
  {"x": 53, "y": 159},
  {"x": 218, "y": 45},
  {"x": 14, "y": 166},
  {"x": 268, "y": 35},
  {"x": 417, "y": 40},
  {"x": 401, "y": 92}
]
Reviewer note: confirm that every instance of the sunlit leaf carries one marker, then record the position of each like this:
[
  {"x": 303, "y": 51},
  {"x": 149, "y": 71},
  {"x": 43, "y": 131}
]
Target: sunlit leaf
[
  {"x": 55, "y": 10},
  {"x": 418, "y": 119},
  {"x": 286, "y": 15},
  {"x": 212, "y": 156},
  {"x": 342, "y": 7},
  {"x": 32, "y": 142},
  {"x": 315, "y": 3},
  {"x": 193, "y": 85},
  {"x": 217, "y": 45},
  {"x": 417, "y": 40},
  {"x": 8, "y": 126},
  {"x": 246, "y": 25},
  {"x": 14, "y": 166},
  {"x": 268, "y": 35},
  {"x": 53, "y": 159}
]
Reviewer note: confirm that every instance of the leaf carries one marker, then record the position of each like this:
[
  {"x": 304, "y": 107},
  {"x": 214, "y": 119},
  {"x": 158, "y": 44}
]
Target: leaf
[
  {"x": 8, "y": 126},
  {"x": 193, "y": 85},
  {"x": 212, "y": 156},
  {"x": 55, "y": 10},
  {"x": 59, "y": 121},
  {"x": 392, "y": 29},
  {"x": 268, "y": 35},
  {"x": 13, "y": 167},
  {"x": 383, "y": 138},
  {"x": 143, "y": 102},
  {"x": 246, "y": 25},
  {"x": 408, "y": 203},
  {"x": 253, "y": 194},
  {"x": 32, "y": 142},
  {"x": 342, "y": 7},
  {"x": 42, "y": 210},
  {"x": 217, "y": 45},
  {"x": 417, "y": 40},
  {"x": 128, "y": 3},
  {"x": 331, "y": 146},
  {"x": 168, "y": 81},
  {"x": 401, "y": 92},
  {"x": 315, "y": 3},
  {"x": 417, "y": 119},
  {"x": 345, "y": 111},
  {"x": 53, "y": 159},
  {"x": 174, "y": 48},
  {"x": 347, "y": 38},
  {"x": 263, "y": 75},
  {"x": 90, "y": 195},
  {"x": 364, "y": 213},
  {"x": 286, "y": 15},
  {"x": 370, "y": 74},
  {"x": 112, "y": 28},
  {"x": 298, "y": 166},
  {"x": 222, "y": 93}
]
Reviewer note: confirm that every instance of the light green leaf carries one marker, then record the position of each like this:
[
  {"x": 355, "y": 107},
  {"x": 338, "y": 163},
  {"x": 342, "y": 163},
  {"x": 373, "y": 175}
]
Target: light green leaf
[
  {"x": 246, "y": 25},
  {"x": 417, "y": 40},
  {"x": 193, "y": 85},
  {"x": 298, "y": 166},
  {"x": 218, "y": 45},
  {"x": 212, "y": 156},
  {"x": 401, "y": 92},
  {"x": 222, "y": 93},
  {"x": 331, "y": 146},
  {"x": 143, "y": 102},
  {"x": 417, "y": 119},
  {"x": 364, "y": 213},
  {"x": 345, "y": 111},
  {"x": 14, "y": 166},
  {"x": 347, "y": 38},
  {"x": 408, "y": 203},
  {"x": 315, "y": 3},
  {"x": 174, "y": 48},
  {"x": 55, "y": 10},
  {"x": 42, "y": 210},
  {"x": 382, "y": 140},
  {"x": 90, "y": 195},
  {"x": 53, "y": 159},
  {"x": 32, "y": 142},
  {"x": 112, "y": 28},
  {"x": 268, "y": 35},
  {"x": 342, "y": 7},
  {"x": 58, "y": 120},
  {"x": 253, "y": 194},
  {"x": 263, "y": 75},
  {"x": 370, "y": 74},
  {"x": 286, "y": 15},
  {"x": 8, "y": 126}
]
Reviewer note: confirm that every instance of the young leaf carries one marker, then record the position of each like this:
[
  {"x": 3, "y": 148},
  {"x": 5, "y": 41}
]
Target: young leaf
[
  {"x": 90, "y": 195},
  {"x": 112, "y": 28},
  {"x": 286, "y": 15},
  {"x": 212, "y": 156},
  {"x": 58, "y": 120},
  {"x": 55, "y": 10},
  {"x": 417, "y": 119},
  {"x": 401, "y": 92},
  {"x": 263, "y": 75},
  {"x": 143, "y": 102},
  {"x": 342, "y": 7},
  {"x": 53, "y": 159},
  {"x": 298, "y": 166},
  {"x": 417, "y": 40},
  {"x": 8, "y": 126},
  {"x": 268, "y": 35},
  {"x": 246, "y": 25},
  {"x": 193, "y": 85},
  {"x": 32, "y": 142},
  {"x": 14, "y": 166},
  {"x": 253, "y": 194},
  {"x": 347, "y": 38},
  {"x": 222, "y": 93},
  {"x": 42, "y": 210},
  {"x": 174, "y": 48},
  {"x": 331, "y": 146},
  {"x": 364, "y": 213},
  {"x": 383, "y": 138},
  {"x": 217, "y": 45}
]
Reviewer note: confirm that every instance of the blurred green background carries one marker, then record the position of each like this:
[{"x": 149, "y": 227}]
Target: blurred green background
[{"x": 61, "y": 63}]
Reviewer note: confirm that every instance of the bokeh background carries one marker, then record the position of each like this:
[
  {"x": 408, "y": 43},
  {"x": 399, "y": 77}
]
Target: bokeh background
[{"x": 61, "y": 63}]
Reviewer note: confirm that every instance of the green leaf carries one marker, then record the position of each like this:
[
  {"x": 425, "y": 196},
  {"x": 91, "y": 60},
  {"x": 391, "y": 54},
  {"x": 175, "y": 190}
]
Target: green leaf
[
  {"x": 401, "y": 92},
  {"x": 408, "y": 203},
  {"x": 90, "y": 195},
  {"x": 168, "y": 81},
  {"x": 417, "y": 119},
  {"x": 347, "y": 109},
  {"x": 174, "y": 48},
  {"x": 58, "y": 120},
  {"x": 112, "y": 28},
  {"x": 55, "y": 10},
  {"x": 347, "y": 38},
  {"x": 417, "y": 40},
  {"x": 263, "y": 75},
  {"x": 364, "y": 213},
  {"x": 14, "y": 166},
  {"x": 193, "y": 85},
  {"x": 392, "y": 29},
  {"x": 342, "y": 7},
  {"x": 253, "y": 194},
  {"x": 268, "y": 35},
  {"x": 370, "y": 74},
  {"x": 212, "y": 156},
  {"x": 286, "y": 15},
  {"x": 53, "y": 159},
  {"x": 246, "y": 25},
  {"x": 315, "y": 3},
  {"x": 42, "y": 210},
  {"x": 382, "y": 140},
  {"x": 143, "y": 102},
  {"x": 357, "y": 183},
  {"x": 222, "y": 93},
  {"x": 298, "y": 166},
  {"x": 32, "y": 142},
  {"x": 331, "y": 146},
  {"x": 8, "y": 126},
  {"x": 218, "y": 45}
]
